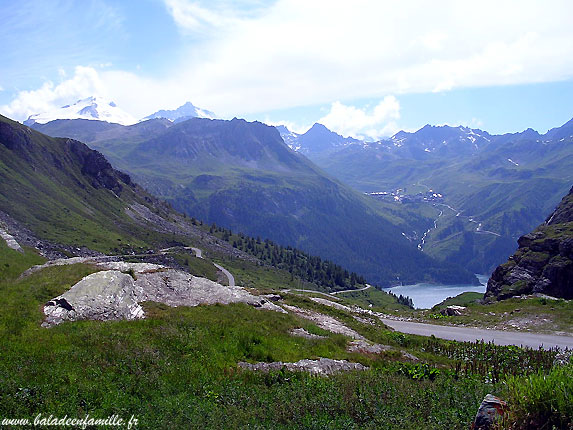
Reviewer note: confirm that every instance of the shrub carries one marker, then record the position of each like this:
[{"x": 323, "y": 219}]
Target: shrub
[{"x": 542, "y": 400}]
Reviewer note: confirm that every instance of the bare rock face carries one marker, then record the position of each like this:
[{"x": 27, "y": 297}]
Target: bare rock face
[
  {"x": 543, "y": 263},
  {"x": 10, "y": 241},
  {"x": 322, "y": 366},
  {"x": 325, "y": 322},
  {"x": 300, "y": 332}
]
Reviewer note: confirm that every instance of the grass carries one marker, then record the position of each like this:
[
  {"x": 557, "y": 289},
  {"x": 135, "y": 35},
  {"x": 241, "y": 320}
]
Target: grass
[
  {"x": 250, "y": 275},
  {"x": 542, "y": 400},
  {"x": 196, "y": 266},
  {"x": 177, "y": 369},
  {"x": 13, "y": 263},
  {"x": 531, "y": 314},
  {"x": 464, "y": 299},
  {"x": 380, "y": 300}
]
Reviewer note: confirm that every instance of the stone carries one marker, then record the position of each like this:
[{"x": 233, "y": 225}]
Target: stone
[
  {"x": 322, "y": 366},
  {"x": 107, "y": 295},
  {"x": 364, "y": 347},
  {"x": 409, "y": 356},
  {"x": 492, "y": 408},
  {"x": 300, "y": 332},
  {"x": 113, "y": 295},
  {"x": 453, "y": 310},
  {"x": 325, "y": 322}
]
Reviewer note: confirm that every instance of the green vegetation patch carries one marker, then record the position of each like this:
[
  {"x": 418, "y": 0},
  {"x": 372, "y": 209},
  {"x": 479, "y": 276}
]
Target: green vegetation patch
[
  {"x": 13, "y": 263},
  {"x": 542, "y": 400},
  {"x": 374, "y": 299},
  {"x": 464, "y": 299}
]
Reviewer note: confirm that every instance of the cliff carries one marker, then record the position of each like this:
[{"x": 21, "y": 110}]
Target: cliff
[{"x": 543, "y": 263}]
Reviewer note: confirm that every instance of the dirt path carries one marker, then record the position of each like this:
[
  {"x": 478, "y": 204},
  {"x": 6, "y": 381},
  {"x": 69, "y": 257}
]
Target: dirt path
[{"x": 228, "y": 274}]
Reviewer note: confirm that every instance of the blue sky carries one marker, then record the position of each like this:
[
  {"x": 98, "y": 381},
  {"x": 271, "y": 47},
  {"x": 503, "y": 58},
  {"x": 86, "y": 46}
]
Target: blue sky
[{"x": 365, "y": 68}]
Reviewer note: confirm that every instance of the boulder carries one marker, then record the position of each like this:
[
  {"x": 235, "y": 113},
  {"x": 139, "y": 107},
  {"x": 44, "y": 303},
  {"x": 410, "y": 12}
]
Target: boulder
[
  {"x": 107, "y": 295},
  {"x": 453, "y": 310},
  {"x": 491, "y": 410},
  {"x": 363, "y": 347}
]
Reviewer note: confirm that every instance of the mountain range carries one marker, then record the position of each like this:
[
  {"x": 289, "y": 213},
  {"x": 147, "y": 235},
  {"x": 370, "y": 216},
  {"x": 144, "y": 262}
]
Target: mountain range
[
  {"x": 62, "y": 199},
  {"x": 242, "y": 176},
  {"x": 458, "y": 194},
  {"x": 182, "y": 113},
  {"x": 492, "y": 188}
]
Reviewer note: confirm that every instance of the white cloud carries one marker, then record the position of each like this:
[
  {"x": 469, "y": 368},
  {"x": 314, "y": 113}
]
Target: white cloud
[
  {"x": 372, "y": 124},
  {"x": 300, "y": 53},
  {"x": 250, "y": 57},
  {"x": 134, "y": 94},
  {"x": 84, "y": 83},
  {"x": 207, "y": 16},
  {"x": 292, "y": 126}
]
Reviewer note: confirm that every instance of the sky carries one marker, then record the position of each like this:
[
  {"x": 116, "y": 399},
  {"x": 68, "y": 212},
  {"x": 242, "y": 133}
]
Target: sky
[{"x": 363, "y": 68}]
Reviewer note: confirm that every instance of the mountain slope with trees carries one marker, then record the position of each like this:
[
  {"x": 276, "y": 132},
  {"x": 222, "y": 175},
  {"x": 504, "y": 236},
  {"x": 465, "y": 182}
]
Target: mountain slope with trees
[
  {"x": 495, "y": 188},
  {"x": 242, "y": 176}
]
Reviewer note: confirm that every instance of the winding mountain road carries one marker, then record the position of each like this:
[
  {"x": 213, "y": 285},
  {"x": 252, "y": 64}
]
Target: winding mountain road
[
  {"x": 229, "y": 275},
  {"x": 352, "y": 291},
  {"x": 498, "y": 337}
]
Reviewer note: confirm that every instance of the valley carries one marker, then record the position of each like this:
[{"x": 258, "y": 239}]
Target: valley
[
  {"x": 491, "y": 201},
  {"x": 161, "y": 306},
  {"x": 243, "y": 177}
]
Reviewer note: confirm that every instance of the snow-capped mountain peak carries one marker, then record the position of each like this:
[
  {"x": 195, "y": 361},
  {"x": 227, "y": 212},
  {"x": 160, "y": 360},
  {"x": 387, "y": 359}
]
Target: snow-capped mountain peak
[
  {"x": 182, "y": 113},
  {"x": 92, "y": 108}
]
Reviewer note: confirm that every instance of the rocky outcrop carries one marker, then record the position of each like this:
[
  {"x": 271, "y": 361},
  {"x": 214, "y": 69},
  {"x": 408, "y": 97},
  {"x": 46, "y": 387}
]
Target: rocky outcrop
[
  {"x": 300, "y": 332},
  {"x": 453, "y": 310},
  {"x": 543, "y": 263},
  {"x": 322, "y": 366},
  {"x": 115, "y": 293},
  {"x": 363, "y": 347},
  {"x": 10, "y": 241},
  {"x": 97, "y": 169},
  {"x": 100, "y": 296},
  {"x": 325, "y": 322}
]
